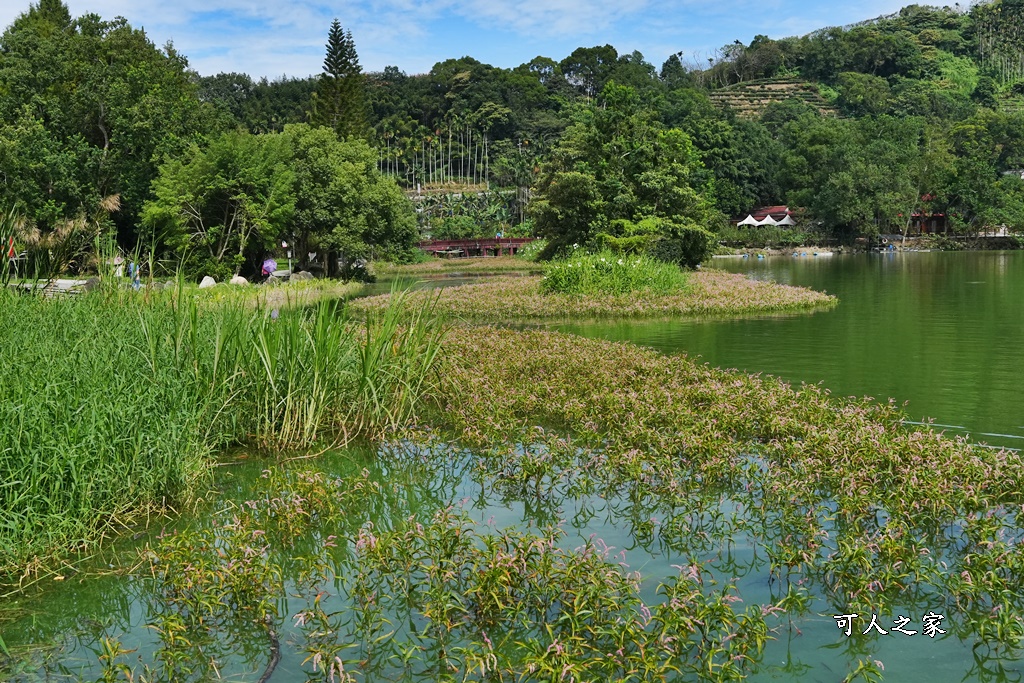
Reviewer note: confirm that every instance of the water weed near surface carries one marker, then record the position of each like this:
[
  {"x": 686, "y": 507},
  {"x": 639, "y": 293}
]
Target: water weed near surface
[
  {"x": 708, "y": 293},
  {"x": 875, "y": 513},
  {"x": 350, "y": 576},
  {"x": 115, "y": 402}
]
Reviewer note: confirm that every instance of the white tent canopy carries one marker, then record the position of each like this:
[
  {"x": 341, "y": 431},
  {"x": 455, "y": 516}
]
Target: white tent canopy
[
  {"x": 768, "y": 220},
  {"x": 788, "y": 220},
  {"x": 749, "y": 220}
]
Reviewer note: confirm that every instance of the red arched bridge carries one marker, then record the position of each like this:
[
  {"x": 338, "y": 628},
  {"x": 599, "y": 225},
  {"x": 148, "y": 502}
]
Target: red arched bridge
[{"x": 490, "y": 246}]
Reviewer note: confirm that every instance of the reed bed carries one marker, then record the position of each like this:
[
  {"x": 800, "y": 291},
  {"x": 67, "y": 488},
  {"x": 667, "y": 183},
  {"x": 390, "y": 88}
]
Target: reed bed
[
  {"x": 114, "y": 403},
  {"x": 708, "y": 293}
]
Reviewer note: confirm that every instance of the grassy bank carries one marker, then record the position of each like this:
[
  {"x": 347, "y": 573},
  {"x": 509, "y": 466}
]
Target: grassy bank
[
  {"x": 481, "y": 265},
  {"x": 708, "y": 293},
  {"x": 115, "y": 402},
  {"x": 286, "y": 294}
]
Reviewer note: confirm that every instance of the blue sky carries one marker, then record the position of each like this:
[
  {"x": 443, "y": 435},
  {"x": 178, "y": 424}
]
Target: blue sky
[{"x": 264, "y": 38}]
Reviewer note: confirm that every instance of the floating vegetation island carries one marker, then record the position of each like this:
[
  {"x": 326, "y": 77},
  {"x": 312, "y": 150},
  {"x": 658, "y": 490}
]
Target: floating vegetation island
[{"x": 708, "y": 293}]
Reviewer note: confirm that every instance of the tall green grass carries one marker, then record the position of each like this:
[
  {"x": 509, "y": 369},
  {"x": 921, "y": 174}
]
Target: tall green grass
[
  {"x": 114, "y": 402},
  {"x": 615, "y": 274}
]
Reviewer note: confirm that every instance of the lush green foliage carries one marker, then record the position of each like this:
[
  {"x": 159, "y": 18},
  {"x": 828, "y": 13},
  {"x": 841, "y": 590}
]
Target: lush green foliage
[
  {"x": 146, "y": 391},
  {"x": 87, "y": 108},
  {"x": 611, "y": 274},
  {"x": 343, "y": 204},
  {"x": 618, "y": 176},
  {"x": 339, "y": 102},
  {"x": 472, "y": 213},
  {"x": 90, "y": 109},
  {"x": 224, "y": 206}
]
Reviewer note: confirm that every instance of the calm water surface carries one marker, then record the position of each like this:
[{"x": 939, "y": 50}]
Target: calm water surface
[{"x": 943, "y": 332}]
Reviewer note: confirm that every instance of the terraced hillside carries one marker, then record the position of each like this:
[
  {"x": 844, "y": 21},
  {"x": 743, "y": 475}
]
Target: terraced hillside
[
  {"x": 750, "y": 99},
  {"x": 1011, "y": 103}
]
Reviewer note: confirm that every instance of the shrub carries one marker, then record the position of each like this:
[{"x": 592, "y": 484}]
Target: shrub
[
  {"x": 766, "y": 236},
  {"x": 455, "y": 228},
  {"x": 531, "y": 250},
  {"x": 606, "y": 273},
  {"x": 687, "y": 246}
]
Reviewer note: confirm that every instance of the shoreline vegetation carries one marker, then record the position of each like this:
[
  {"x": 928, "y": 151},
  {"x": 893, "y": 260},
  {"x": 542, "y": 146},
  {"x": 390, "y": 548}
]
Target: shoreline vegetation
[
  {"x": 708, "y": 293},
  {"x": 115, "y": 401},
  {"x": 478, "y": 265},
  {"x": 842, "y": 496},
  {"x": 159, "y": 381}
]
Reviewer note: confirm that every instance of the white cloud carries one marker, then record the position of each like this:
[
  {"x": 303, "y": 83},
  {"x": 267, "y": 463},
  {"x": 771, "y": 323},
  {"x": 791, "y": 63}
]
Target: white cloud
[
  {"x": 262, "y": 37},
  {"x": 552, "y": 17}
]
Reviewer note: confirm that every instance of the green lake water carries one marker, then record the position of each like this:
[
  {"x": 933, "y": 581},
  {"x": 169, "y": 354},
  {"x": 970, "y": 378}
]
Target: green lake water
[
  {"x": 941, "y": 331},
  {"x": 944, "y": 332}
]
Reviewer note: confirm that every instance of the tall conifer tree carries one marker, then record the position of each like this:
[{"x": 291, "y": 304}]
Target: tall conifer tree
[{"x": 339, "y": 101}]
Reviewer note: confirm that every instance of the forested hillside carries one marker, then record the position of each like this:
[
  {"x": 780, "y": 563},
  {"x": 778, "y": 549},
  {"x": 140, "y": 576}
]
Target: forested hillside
[{"x": 861, "y": 127}]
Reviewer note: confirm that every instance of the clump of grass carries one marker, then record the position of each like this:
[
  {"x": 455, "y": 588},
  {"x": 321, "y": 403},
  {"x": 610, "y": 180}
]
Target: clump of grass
[
  {"x": 115, "y": 402},
  {"x": 605, "y": 273},
  {"x": 531, "y": 250}
]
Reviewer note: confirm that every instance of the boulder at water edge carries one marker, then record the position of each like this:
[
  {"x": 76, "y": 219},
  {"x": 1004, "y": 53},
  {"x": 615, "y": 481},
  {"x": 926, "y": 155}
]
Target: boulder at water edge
[
  {"x": 302, "y": 276},
  {"x": 91, "y": 284},
  {"x": 207, "y": 282},
  {"x": 239, "y": 280},
  {"x": 273, "y": 280}
]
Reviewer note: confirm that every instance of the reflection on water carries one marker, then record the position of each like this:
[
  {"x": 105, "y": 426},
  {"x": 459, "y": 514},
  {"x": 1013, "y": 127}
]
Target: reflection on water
[
  {"x": 943, "y": 332},
  {"x": 729, "y": 533}
]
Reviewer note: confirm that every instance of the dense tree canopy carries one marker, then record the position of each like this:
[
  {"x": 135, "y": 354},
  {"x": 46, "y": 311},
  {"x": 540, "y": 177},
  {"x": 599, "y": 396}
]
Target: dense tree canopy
[
  {"x": 860, "y": 127},
  {"x": 87, "y": 108},
  {"x": 223, "y": 204},
  {"x": 222, "y": 207},
  {"x": 620, "y": 178}
]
